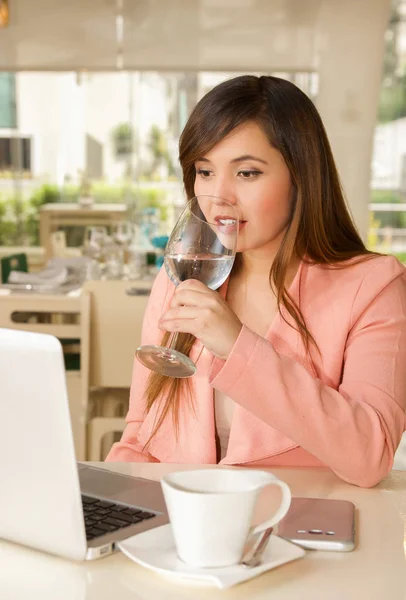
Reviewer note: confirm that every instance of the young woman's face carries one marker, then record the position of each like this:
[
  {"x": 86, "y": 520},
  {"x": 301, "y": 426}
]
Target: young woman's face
[{"x": 248, "y": 172}]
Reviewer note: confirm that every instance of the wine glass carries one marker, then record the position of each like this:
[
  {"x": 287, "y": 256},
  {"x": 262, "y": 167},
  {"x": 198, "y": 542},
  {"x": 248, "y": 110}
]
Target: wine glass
[
  {"x": 201, "y": 246},
  {"x": 94, "y": 240},
  {"x": 123, "y": 233}
]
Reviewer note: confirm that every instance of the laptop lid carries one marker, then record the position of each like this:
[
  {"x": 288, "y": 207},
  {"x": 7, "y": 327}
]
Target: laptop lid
[{"x": 40, "y": 501}]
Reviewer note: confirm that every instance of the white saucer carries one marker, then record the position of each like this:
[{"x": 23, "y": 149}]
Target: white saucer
[{"x": 155, "y": 549}]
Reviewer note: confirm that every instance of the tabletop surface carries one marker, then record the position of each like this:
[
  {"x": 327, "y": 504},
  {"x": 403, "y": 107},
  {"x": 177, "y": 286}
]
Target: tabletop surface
[{"x": 376, "y": 569}]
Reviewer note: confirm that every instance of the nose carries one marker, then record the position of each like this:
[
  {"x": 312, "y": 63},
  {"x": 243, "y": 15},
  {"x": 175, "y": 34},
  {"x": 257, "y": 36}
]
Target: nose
[{"x": 223, "y": 188}]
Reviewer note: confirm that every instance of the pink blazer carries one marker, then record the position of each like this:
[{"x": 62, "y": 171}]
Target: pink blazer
[{"x": 343, "y": 407}]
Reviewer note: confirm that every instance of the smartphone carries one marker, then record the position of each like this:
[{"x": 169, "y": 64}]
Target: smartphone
[{"x": 320, "y": 524}]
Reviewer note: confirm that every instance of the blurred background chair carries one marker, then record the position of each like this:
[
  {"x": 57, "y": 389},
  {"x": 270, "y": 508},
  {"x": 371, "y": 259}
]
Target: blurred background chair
[
  {"x": 100, "y": 432},
  {"x": 14, "y": 262},
  {"x": 58, "y": 246},
  {"x": 115, "y": 333}
]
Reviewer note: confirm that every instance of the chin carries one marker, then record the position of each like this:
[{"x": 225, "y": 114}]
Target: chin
[
  {"x": 249, "y": 245},
  {"x": 241, "y": 248},
  {"x": 271, "y": 242}
]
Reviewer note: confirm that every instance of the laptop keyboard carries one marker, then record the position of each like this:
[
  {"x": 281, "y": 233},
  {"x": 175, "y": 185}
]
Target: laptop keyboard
[{"x": 102, "y": 516}]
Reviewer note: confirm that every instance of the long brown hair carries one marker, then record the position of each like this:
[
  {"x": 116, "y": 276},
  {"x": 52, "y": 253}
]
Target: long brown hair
[{"x": 320, "y": 230}]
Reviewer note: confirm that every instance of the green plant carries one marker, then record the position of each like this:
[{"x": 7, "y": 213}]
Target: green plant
[
  {"x": 123, "y": 139},
  {"x": 12, "y": 226},
  {"x": 158, "y": 145},
  {"x": 401, "y": 256},
  {"x": 392, "y": 103},
  {"x": 152, "y": 198},
  {"x": 104, "y": 193},
  {"x": 4, "y": 224},
  {"x": 385, "y": 196},
  {"x": 46, "y": 194},
  {"x": 19, "y": 217}
]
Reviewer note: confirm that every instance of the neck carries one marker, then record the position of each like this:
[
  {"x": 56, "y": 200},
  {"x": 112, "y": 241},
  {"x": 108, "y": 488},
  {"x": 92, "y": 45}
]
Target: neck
[{"x": 256, "y": 263}]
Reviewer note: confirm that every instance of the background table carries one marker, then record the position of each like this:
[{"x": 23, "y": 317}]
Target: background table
[{"x": 56, "y": 215}]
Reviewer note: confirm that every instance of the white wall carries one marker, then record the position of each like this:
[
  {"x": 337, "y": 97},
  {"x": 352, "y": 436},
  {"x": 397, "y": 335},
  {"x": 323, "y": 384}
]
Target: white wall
[
  {"x": 351, "y": 44},
  {"x": 57, "y": 110},
  {"x": 50, "y": 110},
  {"x": 389, "y": 155}
]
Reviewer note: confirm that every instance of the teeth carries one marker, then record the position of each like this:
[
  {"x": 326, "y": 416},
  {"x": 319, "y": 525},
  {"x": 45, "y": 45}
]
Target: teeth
[{"x": 226, "y": 221}]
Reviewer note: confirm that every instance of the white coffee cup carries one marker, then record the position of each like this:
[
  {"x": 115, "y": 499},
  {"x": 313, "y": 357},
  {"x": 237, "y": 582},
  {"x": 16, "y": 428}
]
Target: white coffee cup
[{"x": 211, "y": 512}]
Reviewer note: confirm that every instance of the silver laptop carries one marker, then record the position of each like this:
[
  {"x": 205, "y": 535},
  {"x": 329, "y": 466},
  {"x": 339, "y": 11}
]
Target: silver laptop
[{"x": 47, "y": 500}]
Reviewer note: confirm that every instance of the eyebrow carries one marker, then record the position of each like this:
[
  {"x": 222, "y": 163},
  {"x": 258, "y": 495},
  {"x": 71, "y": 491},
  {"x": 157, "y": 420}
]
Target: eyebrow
[{"x": 239, "y": 159}]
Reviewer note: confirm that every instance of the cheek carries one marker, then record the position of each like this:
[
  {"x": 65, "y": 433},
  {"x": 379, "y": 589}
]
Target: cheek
[
  {"x": 205, "y": 206},
  {"x": 280, "y": 201},
  {"x": 273, "y": 210},
  {"x": 200, "y": 186}
]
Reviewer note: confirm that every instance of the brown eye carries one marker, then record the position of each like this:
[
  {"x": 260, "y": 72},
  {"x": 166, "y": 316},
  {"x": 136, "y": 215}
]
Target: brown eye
[
  {"x": 204, "y": 173},
  {"x": 249, "y": 174}
]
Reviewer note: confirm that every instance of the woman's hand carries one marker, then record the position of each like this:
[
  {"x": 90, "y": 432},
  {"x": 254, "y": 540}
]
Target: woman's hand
[{"x": 198, "y": 310}]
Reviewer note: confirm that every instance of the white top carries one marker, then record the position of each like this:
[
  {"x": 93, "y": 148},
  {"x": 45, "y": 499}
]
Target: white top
[
  {"x": 223, "y": 411},
  {"x": 374, "y": 570}
]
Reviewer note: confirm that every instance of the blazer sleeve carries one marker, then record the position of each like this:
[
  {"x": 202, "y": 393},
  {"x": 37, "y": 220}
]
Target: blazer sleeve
[
  {"x": 128, "y": 449},
  {"x": 354, "y": 429}
]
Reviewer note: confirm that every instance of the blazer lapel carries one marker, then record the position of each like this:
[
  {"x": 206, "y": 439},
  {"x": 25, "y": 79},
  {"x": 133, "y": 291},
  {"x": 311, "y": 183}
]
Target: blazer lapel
[{"x": 250, "y": 438}]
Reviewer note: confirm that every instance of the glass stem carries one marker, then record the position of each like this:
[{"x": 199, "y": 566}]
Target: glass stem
[{"x": 172, "y": 340}]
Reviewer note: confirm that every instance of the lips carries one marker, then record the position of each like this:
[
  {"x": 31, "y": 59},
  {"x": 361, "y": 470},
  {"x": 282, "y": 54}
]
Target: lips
[
  {"x": 225, "y": 219},
  {"x": 227, "y": 223}
]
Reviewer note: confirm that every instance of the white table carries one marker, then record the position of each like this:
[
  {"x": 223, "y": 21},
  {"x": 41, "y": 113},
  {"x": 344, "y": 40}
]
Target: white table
[
  {"x": 58, "y": 214},
  {"x": 376, "y": 570}
]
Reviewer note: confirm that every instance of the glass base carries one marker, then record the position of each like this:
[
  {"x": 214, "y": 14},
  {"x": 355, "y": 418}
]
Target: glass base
[{"x": 166, "y": 361}]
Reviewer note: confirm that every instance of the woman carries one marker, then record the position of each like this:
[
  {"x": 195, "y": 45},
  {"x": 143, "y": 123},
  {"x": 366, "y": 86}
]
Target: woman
[{"x": 301, "y": 354}]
